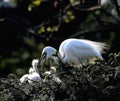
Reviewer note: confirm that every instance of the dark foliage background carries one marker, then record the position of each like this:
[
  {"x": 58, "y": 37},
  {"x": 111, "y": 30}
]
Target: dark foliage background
[{"x": 30, "y": 25}]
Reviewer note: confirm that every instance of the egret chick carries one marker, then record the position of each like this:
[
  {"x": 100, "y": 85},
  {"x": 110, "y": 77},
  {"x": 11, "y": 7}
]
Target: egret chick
[
  {"x": 31, "y": 70},
  {"x": 35, "y": 64},
  {"x": 24, "y": 78},
  {"x": 52, "y": 73},
  {"x": 33, "y": 74},
  {"x": 34, "y": 77},
  {"x": 54, "y": 77},
  {"x": 31, "y": 77},
  {"x": 76, "y": 51}
]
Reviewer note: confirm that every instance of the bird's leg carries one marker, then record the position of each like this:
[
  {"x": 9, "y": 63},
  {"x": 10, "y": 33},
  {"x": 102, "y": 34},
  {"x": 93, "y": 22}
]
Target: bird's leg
[{"x": 85, "y": 61}]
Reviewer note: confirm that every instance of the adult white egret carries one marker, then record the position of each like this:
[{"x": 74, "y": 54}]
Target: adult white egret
[
  {"x": 51, "y": 54},
  {"x": 8, "y": 3},
  {"x": 53, "y": 75},
  {"x": 48, "y": 51},
  {"x": 76, "y": 51}
]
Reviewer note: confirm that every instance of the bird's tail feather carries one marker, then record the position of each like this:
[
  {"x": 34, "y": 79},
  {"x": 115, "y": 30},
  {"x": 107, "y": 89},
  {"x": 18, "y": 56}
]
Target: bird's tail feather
[{"x": 98, "y": 46}]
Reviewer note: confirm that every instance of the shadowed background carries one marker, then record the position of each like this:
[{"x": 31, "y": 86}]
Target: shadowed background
[{"x": 28, "y": 26}]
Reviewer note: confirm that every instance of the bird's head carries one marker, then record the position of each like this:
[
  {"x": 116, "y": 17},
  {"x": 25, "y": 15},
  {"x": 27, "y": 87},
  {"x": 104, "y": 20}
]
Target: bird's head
[
  {"x": 35, "y": 62},
  {"x": 47, "y": 52}
]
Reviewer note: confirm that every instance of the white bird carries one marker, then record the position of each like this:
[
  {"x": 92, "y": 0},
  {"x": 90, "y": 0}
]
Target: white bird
[
  {"x": 106, "y": 3},
  {"x": 24, "y": 78},
  {"x": 76, "y": 51},
  {"x": 35, "y": 64},
  {"x": 115, "y": 14},
  {"x": 31, "y": 77},
  {"x": 9, "y": 3},
  {"x": 34, "y": 77},
  {"x": 31, "y": 70},
  {"x": 52, "y": 73},
  {"x": 50, "y": 53}
]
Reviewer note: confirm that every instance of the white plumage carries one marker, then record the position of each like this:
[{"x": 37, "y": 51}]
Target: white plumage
[
  {"x": 8, "y": 3},
  {"x": 33, "y": 75},
  {"x": 30, "y": 78},
  {"x": 31, "y": 70},
  {"x": 24, "y": 78},
  {"x": 53, "y": 75},
  {"x": 106, "y": 3},
  {"x": 56, "y": 79},
  {"x": 35, "y": 64},
  {"x": 76, "y": 51},
  {"x": 49, "y": 53}
]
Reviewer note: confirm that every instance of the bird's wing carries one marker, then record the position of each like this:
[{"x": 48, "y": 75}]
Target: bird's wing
[
  {"x": 62, "y": 49},
  {"x": 34, "y": 77},
  {"x": 98, "y": 46},
  {"x": 77, "y": 49},
  {"x": 24, "y": 78}
]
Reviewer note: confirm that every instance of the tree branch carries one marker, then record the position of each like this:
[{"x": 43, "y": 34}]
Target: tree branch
[{"x": 94, "y": 31}]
